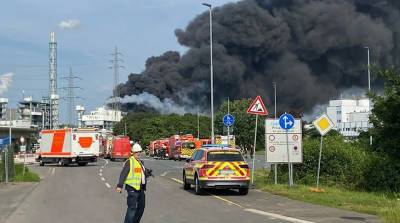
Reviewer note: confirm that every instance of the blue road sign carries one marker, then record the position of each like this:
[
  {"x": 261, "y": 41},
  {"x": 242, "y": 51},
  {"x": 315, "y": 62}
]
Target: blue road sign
[
  {"x": 286, "y": 121},
  {"x": 4, "y": 141},
  {"x": 228, "y": 120}
]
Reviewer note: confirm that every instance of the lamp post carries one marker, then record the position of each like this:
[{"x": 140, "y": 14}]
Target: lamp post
[
  {"x": 369, "y": 89},
  {"x": 211, "y": 74},
  {"x": 275, "y": 165}
]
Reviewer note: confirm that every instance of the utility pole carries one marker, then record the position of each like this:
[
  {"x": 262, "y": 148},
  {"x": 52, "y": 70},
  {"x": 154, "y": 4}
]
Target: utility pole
[
  {"x": 211, "y": 73},
  {"x": 275, "y": 165},
  {"x": 198, "y": 123},
  {"x": 369, "y": 90},
  {"x": 116, "y": 66},
  {"x": 71, "y": 97}
]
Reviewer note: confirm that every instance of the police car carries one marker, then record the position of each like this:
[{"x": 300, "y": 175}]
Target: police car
[{"x": 216, "y": 166}]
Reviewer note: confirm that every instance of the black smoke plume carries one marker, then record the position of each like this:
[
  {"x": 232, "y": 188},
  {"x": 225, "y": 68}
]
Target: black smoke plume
[{"x": 313, "y": 49}]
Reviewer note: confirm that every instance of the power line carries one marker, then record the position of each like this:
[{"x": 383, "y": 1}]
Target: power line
[
  {"x": 116, "y": 67},
  {"x": 71, "y": 96}
]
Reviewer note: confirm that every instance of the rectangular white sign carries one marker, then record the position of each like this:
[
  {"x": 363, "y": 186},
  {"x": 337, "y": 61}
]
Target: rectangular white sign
[{"x": 276, "y": 142}]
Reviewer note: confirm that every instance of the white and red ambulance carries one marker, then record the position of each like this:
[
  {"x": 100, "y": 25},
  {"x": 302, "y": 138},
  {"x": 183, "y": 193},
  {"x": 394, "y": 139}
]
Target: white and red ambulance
[{"x": 69, "y": 145}]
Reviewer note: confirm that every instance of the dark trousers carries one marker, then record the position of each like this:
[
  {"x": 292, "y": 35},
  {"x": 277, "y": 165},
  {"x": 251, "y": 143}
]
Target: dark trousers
[{"x": 136, "y": 204}]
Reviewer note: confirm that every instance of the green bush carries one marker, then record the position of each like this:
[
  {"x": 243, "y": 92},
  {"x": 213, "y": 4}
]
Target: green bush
[
  {"x": 382, "y": 174},
  {"x": 343, "y": 163}
]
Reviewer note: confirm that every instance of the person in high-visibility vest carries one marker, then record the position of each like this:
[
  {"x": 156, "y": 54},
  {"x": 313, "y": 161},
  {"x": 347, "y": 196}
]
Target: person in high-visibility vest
[{"x": 133, "y": 175}]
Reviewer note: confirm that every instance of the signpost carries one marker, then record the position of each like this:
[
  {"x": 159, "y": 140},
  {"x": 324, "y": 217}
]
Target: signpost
[
  {"x": 228, "y": 120},
  {"x": 23, "y": 149},
  {"x": 257, "y": 107},
  {"x": 323, "y": 124},
  {"x": 286, "y": 122}
]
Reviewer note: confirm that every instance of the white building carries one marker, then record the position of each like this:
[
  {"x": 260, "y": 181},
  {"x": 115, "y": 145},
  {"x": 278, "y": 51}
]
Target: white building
[
  {"x": 350, "y": 116},
  {"x": 101, "y": 118}
]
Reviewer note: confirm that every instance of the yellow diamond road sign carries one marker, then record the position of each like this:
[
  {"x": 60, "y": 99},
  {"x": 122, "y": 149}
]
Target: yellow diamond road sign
[{"x": 323, "y": 124}]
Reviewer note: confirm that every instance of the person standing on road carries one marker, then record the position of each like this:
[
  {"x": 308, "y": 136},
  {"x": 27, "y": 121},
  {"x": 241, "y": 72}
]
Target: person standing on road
[{"x": 133, "y": 175}]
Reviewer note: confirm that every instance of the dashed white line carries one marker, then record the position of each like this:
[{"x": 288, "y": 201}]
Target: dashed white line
[
  {"x": 101, "y": 170},
  {"x": 176, "y": 180},
  {"x": 100, "y": 174},
  {"x": 164, "y": 174},
  {"x": 53, "y": 170},
  {"x": 108, "y": 185},
  {"x": 103, "y": 179}
]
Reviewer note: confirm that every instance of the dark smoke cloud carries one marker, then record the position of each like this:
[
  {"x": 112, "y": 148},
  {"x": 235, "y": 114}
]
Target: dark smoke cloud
[{"x": 313, "y": 50}]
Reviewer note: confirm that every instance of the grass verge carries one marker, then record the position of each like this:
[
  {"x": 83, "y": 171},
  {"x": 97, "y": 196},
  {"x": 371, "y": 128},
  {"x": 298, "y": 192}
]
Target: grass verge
[
  {"x": 28, "y": 177},
  {"x": 386, "y": 206}
]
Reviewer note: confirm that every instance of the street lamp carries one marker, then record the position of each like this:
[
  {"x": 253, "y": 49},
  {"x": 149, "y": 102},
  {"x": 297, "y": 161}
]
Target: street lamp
[
  {"x": 369, "y": 89},
  {"x": 211, "y": 74}
]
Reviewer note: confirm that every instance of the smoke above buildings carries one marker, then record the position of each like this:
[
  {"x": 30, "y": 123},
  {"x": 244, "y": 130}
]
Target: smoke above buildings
[
  {"x": 5, "y": 82},
  {"x": 312, "y": 49}
]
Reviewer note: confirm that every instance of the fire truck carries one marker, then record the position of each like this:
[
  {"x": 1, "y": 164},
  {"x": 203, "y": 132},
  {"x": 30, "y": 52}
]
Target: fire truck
[
  {"x": 68, "y": 146},
  {"x": 159, "y": 148},
  {"x": 121, "y": 148},
  {"x": 181, "y": 146}
]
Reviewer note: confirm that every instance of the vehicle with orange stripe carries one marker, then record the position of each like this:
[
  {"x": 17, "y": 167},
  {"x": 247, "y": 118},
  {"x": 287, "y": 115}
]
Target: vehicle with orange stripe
[
  {"x": 216, "y": 166},
  {"x": 67, "y": 146}
]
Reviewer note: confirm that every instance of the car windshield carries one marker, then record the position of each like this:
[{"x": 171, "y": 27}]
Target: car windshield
[
  {"x": 188, "y": 145},
  {"x": 224, "y": 156}
]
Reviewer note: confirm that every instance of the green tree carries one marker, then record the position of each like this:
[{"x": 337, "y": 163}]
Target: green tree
[
  {"x": 386, "y": 116},
  {"x": 244, "y": 125},
  {"x": 150, "y": 126}
]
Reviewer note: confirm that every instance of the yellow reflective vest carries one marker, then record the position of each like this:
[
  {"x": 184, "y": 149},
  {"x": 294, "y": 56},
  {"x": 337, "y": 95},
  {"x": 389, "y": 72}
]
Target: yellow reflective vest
[{"x": 134, "y": 178}]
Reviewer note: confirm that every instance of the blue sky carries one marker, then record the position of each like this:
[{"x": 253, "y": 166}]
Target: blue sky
[{"x": 140, "y": 29}]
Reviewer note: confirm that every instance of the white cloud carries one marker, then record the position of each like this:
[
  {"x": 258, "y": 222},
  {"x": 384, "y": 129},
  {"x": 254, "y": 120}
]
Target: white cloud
[
  {"x": 69, "y": 24},
  {"x": 5, "y": 82}
]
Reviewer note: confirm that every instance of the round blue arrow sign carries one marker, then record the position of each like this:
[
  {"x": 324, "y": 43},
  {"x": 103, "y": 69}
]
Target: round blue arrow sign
[
  {"x": 228, "y": 120},
  {"x": 286, "y": 121}
]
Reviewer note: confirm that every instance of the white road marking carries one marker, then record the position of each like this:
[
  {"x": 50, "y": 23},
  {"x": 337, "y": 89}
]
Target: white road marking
[
  {"x": 53, "y": 171},
  {"x": 100, "y": 174},
  {"x": 164, "y": 174},
  {"x": 277, "y": 216},
  {"x": 108, "y": 185},
  {"x": 255, "y": 211},
  {"x": 101, "y": 170},
  {"x": 176, "y": 180},
  {"x": 227, "y": 201},
  {"x": 103, "y": 179}
]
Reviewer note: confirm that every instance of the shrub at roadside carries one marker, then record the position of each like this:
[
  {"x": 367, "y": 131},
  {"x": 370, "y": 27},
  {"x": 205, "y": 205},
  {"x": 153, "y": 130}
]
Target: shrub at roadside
[{"x": 343, "y": 163}]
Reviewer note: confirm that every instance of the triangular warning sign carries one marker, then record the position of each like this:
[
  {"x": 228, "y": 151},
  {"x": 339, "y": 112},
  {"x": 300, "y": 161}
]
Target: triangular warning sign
[{"x": 257, "y": 107}]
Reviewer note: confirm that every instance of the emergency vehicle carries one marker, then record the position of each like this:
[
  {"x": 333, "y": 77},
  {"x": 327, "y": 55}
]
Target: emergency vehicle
[
  {"x": 67, "y": 146},
  {"x": 180, "y": 146},
  {"x": 159, "y": 148},
  {"x": 216, "y": 166},
  {"x": 121, "y": 148}
]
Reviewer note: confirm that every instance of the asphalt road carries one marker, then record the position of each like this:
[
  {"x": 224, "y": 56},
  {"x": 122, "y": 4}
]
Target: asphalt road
[{"x": 86, "y": 194}]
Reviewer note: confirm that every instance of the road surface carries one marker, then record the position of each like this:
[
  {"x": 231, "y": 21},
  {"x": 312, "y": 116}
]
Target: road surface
[{"x": 86, "y": 194}]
